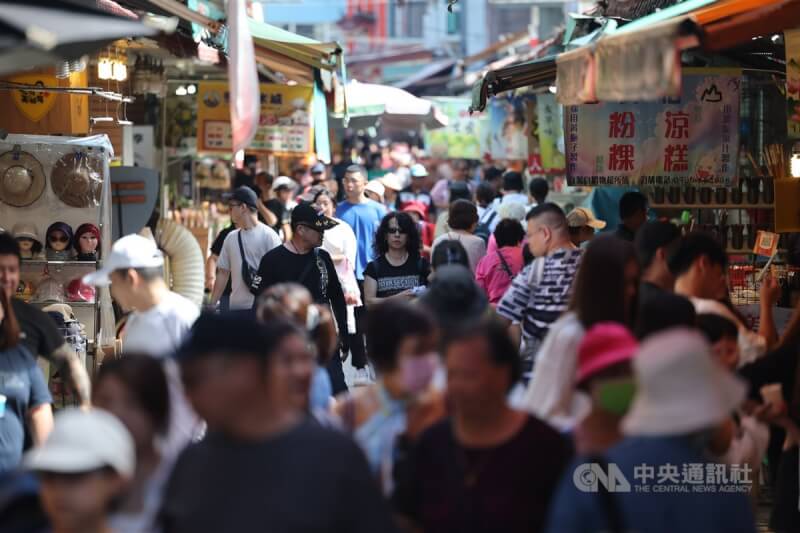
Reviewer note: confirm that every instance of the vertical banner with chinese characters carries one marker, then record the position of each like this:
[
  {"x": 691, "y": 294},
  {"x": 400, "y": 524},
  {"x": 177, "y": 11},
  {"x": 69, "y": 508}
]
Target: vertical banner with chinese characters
[
  {"x": 461, "y": 138},
  {"x": 691, "y": 139},
  {"x": 792, "y": 41},
  {"x": 285, "y": 127},
  {"x": 551, "y": 133}
]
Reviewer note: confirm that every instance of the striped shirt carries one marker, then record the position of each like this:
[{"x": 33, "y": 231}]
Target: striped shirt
[{"x": 540, "y": 294}]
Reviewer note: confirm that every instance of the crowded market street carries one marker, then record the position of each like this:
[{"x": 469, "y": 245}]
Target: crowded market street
[{"x": 413, "y": 266}]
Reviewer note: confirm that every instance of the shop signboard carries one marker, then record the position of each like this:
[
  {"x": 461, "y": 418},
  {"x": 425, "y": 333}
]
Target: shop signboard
[
  {"x": 285, "y": 126},
  {"x": 690, "y": 139},
  {"x": 792, "y": 41},
  {"x": 461, "y": 138}
]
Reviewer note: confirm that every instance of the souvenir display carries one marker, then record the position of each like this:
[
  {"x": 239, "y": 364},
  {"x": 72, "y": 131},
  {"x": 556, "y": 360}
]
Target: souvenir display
[
  {"x": 25, "y": 290},
  {"x": 87, "y": 242},
  {"x": 59, "y": 242},
  {"x": 30, "y": 245},
  {"x": 77, "y": 180},
  {"x": 49, "y": 290},
  {"x": 22, "y": 178}
]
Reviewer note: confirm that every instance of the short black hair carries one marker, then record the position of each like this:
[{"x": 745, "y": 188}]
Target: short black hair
[
  {"x": 388, "y": 324},
  {"x": 459, "y": 191},
  {"x": 512, "y": 181},
  {"x": 404, "y": 221},
  {"x": 462, "y": 215},
  {"x": 485, "y": 193},
  {"x": 695, "y": 245},
  {"x": 502, "y": 350},
  {"x": 653, "y": 235},
  {"x": 508, "y": 232},
  {"x": 716, "y": 327},
  {"x": 555, "y": 215},
  {"x": 9, "y": 245},
  {"x": 355, "y": 169},
  {"x": 663, "y": 310},
  {"x": 492, "y": 173},
  {"x": 538, "y": 188},
  {"x": 449, "y": 252},
  {"x": 632, "y": 202}
]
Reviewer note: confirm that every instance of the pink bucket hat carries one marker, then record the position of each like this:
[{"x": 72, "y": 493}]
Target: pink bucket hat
[{"x": 604, "y": 345}]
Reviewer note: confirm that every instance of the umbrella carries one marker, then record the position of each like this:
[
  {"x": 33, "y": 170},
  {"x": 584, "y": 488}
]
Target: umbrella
[
  {"x": 47, "y": 32},
  {"x": 368, "y": 103}
]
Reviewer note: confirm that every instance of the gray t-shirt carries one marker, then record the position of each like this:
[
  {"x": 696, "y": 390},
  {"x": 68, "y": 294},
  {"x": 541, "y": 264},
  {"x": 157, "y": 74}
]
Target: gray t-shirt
[
  {"x": 256, "y": 242},
  {"x": 308, "y": 479}
]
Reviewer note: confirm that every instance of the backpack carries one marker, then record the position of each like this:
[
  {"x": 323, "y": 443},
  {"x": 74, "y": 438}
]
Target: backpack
[{"x": 484, "y": 228}]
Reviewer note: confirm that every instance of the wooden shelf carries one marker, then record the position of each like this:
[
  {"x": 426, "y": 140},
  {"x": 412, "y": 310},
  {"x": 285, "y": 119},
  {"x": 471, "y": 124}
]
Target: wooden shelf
[
  {"x": 71, "y": 304},
  {"x": 63, "y": 263},
  {"x": 712, "y": 206}
]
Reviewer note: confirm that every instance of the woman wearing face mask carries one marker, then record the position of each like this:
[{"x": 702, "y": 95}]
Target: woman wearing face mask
[
  {"x": 401, "y": 341},
  {"x": 293, "y": 302},
  {"x": 604, "y": 290},
  {"x": 134, "y": 389},
  {"x": 606, "y": 376}
]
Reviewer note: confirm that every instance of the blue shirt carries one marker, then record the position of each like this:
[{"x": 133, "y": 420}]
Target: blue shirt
[
  {"x": 23, "y": 385},
  {"x": 652, "y": 512},
  {"x": 364, "y": 219}
]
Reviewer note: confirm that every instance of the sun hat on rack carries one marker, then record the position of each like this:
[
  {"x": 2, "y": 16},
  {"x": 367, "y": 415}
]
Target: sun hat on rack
[
  {"x": 77, "y": 180},
  {"x": 22, "y": 178},
  {"x": 26, "y": 230},
  {"x": 680, "y": 388}
]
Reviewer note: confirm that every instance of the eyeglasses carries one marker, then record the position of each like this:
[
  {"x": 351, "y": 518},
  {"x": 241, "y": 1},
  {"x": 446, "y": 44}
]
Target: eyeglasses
[
  {"x": 235, "y": 204},
  {"x": 396, "y": 231},
  {"x": 53, "y": 238},
  {"x": 310, "y": 227}
]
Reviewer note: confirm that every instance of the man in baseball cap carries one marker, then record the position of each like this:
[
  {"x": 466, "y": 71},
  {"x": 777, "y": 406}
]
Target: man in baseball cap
[{"x": 582, "y": 225}]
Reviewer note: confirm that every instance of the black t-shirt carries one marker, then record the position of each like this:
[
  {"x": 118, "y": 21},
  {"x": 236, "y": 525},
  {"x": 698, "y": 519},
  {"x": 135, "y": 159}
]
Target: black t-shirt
[
  {"x": 392, "y": 280},
  {"x": 309, "y": 479},
  {"x": 659, "y": 310},
  {"x": 216, "y": 246},
  {"x": 280, "y": 265},
  {"x": 278, "y": 209},
  {"x": 39, "y": 333},
  {"x": 447, "y": 487}
]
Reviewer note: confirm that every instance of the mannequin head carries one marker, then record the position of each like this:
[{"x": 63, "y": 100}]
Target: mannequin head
[
  {"x": 59, "y": 237},
  {"x": 28, "y": 240},
  {"x": 87, "y": 240}
]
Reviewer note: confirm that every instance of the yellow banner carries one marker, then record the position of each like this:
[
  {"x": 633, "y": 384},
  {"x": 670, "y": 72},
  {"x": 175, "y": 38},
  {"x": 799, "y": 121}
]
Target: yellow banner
[
  {"x": 285, "y": 126},
  {"x": 34, "y": 105}
]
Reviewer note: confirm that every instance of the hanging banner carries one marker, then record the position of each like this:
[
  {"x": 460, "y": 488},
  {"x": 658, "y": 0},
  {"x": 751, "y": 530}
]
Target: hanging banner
[
  {"x": 461, "y": 138},
  {"x": 34, "y": 105},
  {"x": 509, "y": 128},
  {"x": 551, "y": 133},
  {"x": 285, "y": 126},
  {"x": 792, "y": 40},
  {"x": 691, "y": 139}
]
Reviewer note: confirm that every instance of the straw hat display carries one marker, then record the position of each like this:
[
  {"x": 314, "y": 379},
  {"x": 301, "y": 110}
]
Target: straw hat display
[
  {"x": 77, "y": 180},
  {"x": 21, "y": 178}
]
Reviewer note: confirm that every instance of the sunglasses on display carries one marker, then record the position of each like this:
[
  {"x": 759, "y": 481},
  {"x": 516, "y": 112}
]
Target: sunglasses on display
[{"x": 53, "y": 238}]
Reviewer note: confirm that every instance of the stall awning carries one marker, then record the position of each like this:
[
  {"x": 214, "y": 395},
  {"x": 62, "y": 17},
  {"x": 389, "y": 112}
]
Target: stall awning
[
  {"x": 536, "y": 73},
  {"x": 733, "y": 22},
  {"x": 301, "y": 49}
]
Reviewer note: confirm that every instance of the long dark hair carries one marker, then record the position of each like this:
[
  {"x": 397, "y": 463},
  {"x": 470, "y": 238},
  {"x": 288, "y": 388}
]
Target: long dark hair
[
  {"x": 598, "y": 293},
  {"x": 9, "y": 331},
  {"x": 146, "y": 381},
  {"x": 407, "y": 225}
]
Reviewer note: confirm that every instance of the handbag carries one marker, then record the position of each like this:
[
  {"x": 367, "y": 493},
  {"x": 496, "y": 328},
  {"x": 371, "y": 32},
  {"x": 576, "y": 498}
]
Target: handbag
[
  {"x": 247, "y": 271},
  {"x": 504, "y": 264}
]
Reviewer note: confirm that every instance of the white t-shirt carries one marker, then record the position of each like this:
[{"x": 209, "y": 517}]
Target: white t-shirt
[
  {"x": 256, "y": 242},
  {"x": 158, "y": 332},
  {"x": 474, "y": 245}
]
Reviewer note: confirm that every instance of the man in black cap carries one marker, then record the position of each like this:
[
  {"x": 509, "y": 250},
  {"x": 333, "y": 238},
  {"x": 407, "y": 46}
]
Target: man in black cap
[
  {"x": 243, "y": 249},
  {"x": 264, "y": 465},
  {"x": 301, "y": 260}
]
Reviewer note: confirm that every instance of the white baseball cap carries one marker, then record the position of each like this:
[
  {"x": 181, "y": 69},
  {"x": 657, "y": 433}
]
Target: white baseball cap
[
  {"x": 83, "y": 441},
  {"x": 418, "y": 171},
  {"x": 131, "y": 251}
]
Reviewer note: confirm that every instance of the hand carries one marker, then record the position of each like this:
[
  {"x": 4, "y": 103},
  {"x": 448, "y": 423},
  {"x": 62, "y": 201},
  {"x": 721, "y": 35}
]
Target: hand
[
  {"x": 210, "y": 280},
  {"x": 770, "y": 290},
  {"x": 351, "y": 299},
  {"x": 774, "y": 415},
  {"x": 407, "y": 294}
]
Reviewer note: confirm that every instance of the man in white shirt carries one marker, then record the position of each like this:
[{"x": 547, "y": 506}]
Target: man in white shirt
[
  {"x": 699, "y": 265},
  {"x": 512, "y": 193},
  {"x": 243, "y": 249},
  {"x": 158, "y": 321}
]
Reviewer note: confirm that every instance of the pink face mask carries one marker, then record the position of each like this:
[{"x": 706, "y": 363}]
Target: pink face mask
[{"x": 417, "y": 371}]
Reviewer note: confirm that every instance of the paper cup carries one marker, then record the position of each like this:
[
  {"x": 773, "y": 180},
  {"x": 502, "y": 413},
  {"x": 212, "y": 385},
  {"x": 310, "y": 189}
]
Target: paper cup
[{"x": 772, "y": 394}]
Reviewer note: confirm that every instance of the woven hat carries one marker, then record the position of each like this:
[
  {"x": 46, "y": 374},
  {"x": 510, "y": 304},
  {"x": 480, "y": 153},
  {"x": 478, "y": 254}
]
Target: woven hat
[
  {"x": 26, "y": 230},
  {"x": 580, "y": 216},
  {"x": 77, "y": 180},
  {"x": 21, "y": 178}
]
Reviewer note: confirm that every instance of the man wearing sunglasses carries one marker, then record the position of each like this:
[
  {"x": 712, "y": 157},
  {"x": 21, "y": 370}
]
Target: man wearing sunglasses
[
  {"x": 243, "y": 249},
  {"x": 301, "y": 260}
]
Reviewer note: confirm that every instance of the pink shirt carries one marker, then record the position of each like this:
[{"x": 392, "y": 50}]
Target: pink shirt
[{"x": 491, "y": 275}]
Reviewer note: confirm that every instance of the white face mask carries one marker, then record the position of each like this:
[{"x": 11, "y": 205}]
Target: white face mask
[{"x": 417, "y": 371}]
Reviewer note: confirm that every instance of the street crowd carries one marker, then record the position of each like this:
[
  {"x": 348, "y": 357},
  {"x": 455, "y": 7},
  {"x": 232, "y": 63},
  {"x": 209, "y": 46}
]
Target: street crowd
[{"x": 515, "y": 370}]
